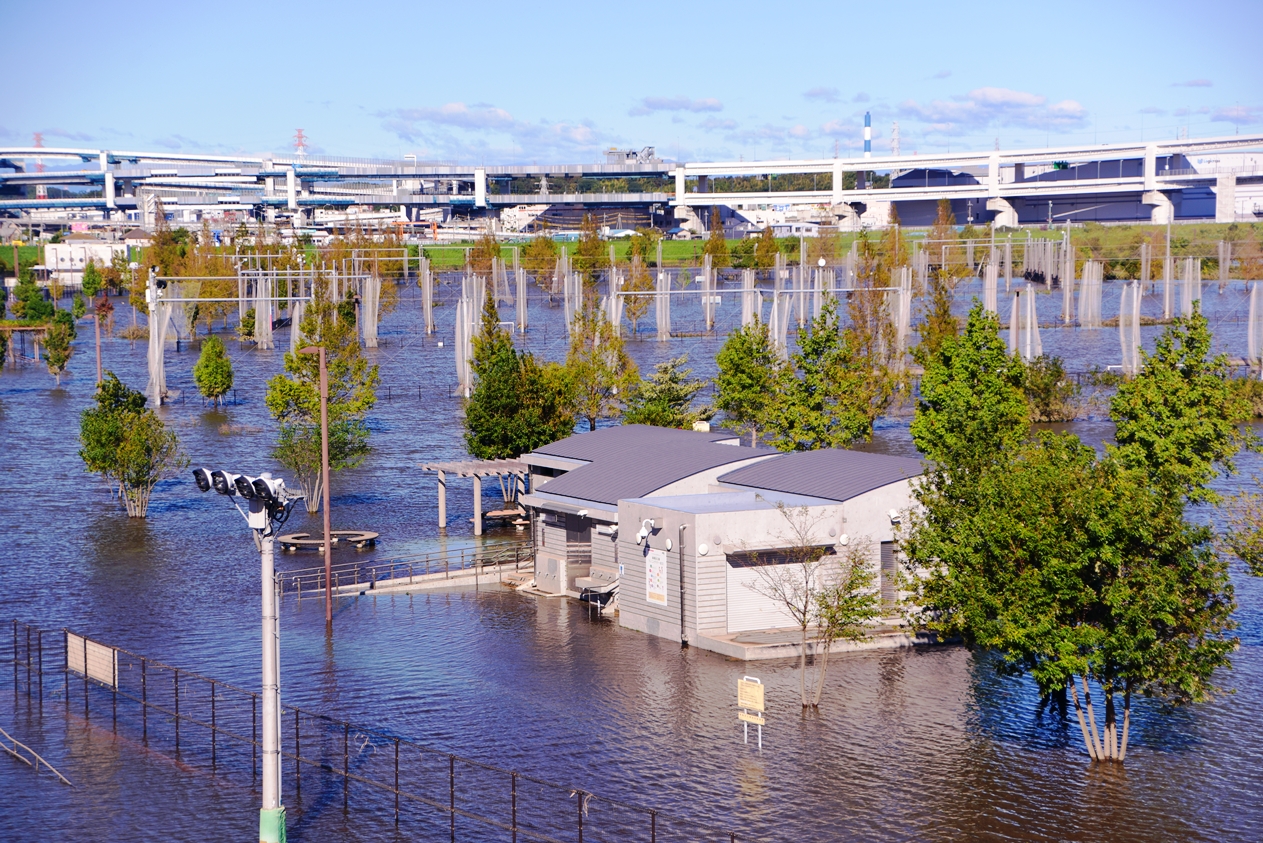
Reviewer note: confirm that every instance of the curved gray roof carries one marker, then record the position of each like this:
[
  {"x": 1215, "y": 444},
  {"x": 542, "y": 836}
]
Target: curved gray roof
[
  {"x": 631, "y": 461},
  {"x": 830, "y": 473}
]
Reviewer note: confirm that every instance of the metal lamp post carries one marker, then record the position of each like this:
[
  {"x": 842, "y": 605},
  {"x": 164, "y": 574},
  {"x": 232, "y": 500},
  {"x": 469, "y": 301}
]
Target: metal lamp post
[
  {"x": 324, "y": 475},
  {"x": 270, "y": 504}
]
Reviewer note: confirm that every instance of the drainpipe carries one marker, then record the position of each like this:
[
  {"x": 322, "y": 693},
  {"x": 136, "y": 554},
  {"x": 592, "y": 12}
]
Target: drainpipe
[{"x": 684, "y": 641}]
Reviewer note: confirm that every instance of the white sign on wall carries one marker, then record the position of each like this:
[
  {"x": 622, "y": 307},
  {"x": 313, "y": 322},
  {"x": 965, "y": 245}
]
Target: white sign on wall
[{"x": 656, "y": 576}]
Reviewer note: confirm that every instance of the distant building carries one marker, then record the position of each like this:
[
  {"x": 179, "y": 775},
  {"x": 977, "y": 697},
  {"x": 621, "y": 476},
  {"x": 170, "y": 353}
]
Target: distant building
[
  {"x": 670, "y": 526},
  {"x": 66, "y": 260},
  {"x": 137, "y": 238}
]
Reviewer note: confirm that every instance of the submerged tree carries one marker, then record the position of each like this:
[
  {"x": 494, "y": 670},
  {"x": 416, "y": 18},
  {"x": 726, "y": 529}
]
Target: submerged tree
[
  {"x": 516, "y": 404},
  {"x": 600, "y": 369},
  {"x": 749, "y": 377},
  {"x": 1077, "y": 569},
  {"x": 828, "y": 597},
  {"x": 128, "y": 445},
  {"x": 293, "y": 399},
  {"x": 213, "y": 371},
  {"x": 665, "y": 399}
]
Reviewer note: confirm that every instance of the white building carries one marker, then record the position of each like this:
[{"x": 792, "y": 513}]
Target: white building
[
  {"x": 670, "y": 528},
  {"x": 65, "y": 261}
]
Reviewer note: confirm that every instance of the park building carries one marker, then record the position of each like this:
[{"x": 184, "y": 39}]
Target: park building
[{"x": 669, "y": 529}]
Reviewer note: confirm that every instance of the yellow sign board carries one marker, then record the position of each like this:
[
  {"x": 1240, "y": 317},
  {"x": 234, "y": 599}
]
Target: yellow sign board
[
  {"x": 746, "y": 717},
  {"x": 750, "y": 694}
]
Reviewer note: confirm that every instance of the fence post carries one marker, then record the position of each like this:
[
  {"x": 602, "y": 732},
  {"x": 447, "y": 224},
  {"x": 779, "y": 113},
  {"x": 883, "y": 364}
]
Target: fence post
[
  {"x": 579, "y": 793},
  {"x": 346, "y": 764},
  {"x": 65, "y": 672},
  {"x": 144, "y": 701},
  {"x": 396, "y": 781},
  {"x": 15, "y": 662},
  {"x": 513, "y": 823},
  {"x": 451, "y": 793},
  {"x": 298, "y": 764},
  {"x": 28, "y": 661},
  {"x": 40, "y": 643},
  {"x": 254, "y": 738},
  {"x": 85, "y": 678},
  {"x": 177, "y": 712},
  {"x": 213, "y": 757},
  {"x": 653, "y": 826}
]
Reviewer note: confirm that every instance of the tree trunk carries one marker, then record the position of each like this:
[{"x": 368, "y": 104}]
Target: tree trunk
[
  {"x": 1122, "y": 749},
  {"x": 802, "y": 668},
  {"x": 1083, "y": 726},
  {"x": 1111, "y": 732},
  {"x": 1087, "y": 702},
  {"x": 824, "y": 666}
]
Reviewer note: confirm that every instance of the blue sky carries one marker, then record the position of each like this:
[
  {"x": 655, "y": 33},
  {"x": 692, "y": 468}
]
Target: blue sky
[{"x": 492, "y": 82}]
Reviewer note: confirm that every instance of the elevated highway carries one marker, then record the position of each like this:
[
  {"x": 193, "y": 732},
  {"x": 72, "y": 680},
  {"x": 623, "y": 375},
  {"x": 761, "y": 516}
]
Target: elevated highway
[{"x": 1006, "y": 183}]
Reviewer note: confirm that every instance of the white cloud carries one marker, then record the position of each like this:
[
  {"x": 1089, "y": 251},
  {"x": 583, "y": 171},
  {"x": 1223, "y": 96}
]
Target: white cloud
[
  {"x": 1193, "y": 83},
  {"x": 67, "y": 134},
  {"x": 942, "y": 74},
  {"x": 649, "y": 105},
  {"x": 718, "y": 123},
  {"x": 985, "y": 107},
  {"x": 800, "y": 131},
  {"x": 822, "y": 94},
  {"x": 1247, "y": 114},
  {"x": 861, "y": 97},
  {"x": 457, "y": 130}
]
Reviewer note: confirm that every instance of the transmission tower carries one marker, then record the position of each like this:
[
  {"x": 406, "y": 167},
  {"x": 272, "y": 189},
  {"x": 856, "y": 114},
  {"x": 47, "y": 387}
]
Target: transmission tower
[{"x": 300, "y": 143}]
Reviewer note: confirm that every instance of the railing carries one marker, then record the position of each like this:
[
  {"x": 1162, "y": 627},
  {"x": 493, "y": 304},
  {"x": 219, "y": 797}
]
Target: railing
[
  {"x": 26, "y": 755},
  {"x": 368, "y": 574},
  {"x": 384, "y": 778}
]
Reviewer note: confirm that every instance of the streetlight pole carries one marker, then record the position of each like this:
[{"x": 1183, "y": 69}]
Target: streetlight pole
[
  {"x": 324, "y": 476},
  {"x": 270, "y": 505}
]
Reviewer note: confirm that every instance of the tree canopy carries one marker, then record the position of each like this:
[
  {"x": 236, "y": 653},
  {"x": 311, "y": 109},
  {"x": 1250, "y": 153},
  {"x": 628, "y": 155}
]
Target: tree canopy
[
  {"x": 516, "y": 404},
  {"x": 601, "y": 371},
  {"x": 213, "y": 371},
  {"x": 665, "y": 398},
  {"x": 293, "y": 398},
  {"x": 750, "y": 373}
]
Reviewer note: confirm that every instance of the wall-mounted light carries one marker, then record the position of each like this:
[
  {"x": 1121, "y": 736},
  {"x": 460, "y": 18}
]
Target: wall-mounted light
[
  {"x": 702, "y": 549},
  {"x": 894, "y": 516},
  {"x": 844, "y": 540}
]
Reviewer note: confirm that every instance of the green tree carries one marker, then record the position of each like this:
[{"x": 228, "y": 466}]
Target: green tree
[
  {"x": 766, "y": 250},
  {"x": 78, "y": 307},
  {"x": 485, "y": 250},
  {"x": 539, "y": 255},
  {"x": 600, "y": 369},
  {"x": 644, "y": 244},
  {"x": 293, "y": 399},
  {"x": 972, "y": 408},
  {"x": 29, "y": 302},
  {"x": 516, "y": 404},
  {"x": 58, "y": 348},
  {"x": 1051, "y": 395},
  {"x": 213, "y": 371},
  {"x": 92, "y": 280},
  {"x": 128, "y": 445},
  {"x": 750, "y": 373},
  {"x": 1073, "y": 568},
  {"x": 591, "y": 255},
  {"x": 665, "y": 399},
  {"x": 716, "y": 245},
  {"x": 827, "y": 395},
  {"x": 639, "y": 283},
  {"x": 1177, "y": 419}
]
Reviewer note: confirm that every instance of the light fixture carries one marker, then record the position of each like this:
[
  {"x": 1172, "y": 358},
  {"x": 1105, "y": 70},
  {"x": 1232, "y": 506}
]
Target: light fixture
[
  {"x": 894, "y": 516},
  {"x": 702, "y": 549},
  {"x": 245, "y": 487},
  {"x": 202, "y": 477},
  {"x": 844, "y": 540},
  {"x": 668, "y": 544},
  {"x": 224, "y": 482},
  {"x": 583, "y": 513}
]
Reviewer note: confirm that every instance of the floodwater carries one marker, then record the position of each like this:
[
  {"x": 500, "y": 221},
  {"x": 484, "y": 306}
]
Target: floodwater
[{"x": 927, "y": 744}]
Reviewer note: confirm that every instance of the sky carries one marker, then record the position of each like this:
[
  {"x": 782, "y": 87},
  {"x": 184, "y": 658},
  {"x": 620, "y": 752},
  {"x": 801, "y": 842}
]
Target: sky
[{"x": 492, "y": 82}]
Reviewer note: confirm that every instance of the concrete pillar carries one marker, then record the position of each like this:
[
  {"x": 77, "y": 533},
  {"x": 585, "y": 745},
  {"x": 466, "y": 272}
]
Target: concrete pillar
[
  {"x": 1005, "y": 213},
  {"x": 1019, "y": 171},
  {"x": 679, "y": 185},
  {"x": 837, "y": 181},
  {"x": 477, "y": 505},
  {"x": 861, "y": 180},
  {"x": 442, "y": 501},
  {"x": 291, "y": 189},
  {"x": 703, "y": 184},
  {"x": 480, "y": 187},
  {"x": 1151, "y": 167},
  {"x": 1226, "y": 198},
  {"x": 109, "y": 191},
  {"x": 993, "y": 174},
  {"x": 1163, "y": 210},
  {"x": 104, "y": 159}
]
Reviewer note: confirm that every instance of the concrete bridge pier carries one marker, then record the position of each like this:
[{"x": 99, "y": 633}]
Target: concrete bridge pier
[
  {"x": 1226, "y": 198},
  {"x": 1163, "y": 209},
  {"x": 688, "y": 219},
  {"x": 847, "y": 214},
  {"x": 1005, "y": 213}
]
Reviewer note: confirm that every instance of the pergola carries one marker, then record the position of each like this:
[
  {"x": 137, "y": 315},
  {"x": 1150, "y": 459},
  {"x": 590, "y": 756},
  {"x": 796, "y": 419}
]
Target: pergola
[{"x": 476, "y": 469}]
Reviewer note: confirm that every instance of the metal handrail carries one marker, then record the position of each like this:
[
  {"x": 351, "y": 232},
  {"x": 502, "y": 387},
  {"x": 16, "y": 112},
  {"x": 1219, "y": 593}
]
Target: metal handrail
[
  {"x": 370, "y": 572},
  {"x": 34, "y": 761}
]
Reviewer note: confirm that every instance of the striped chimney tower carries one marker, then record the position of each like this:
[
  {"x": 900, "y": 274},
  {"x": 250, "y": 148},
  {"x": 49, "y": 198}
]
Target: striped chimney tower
[{"x": 868, "y": 135}]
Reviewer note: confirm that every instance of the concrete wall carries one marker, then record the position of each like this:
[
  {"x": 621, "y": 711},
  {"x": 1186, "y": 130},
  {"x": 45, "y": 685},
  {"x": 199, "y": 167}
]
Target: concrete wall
[{"x": 708, "y": 578}]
